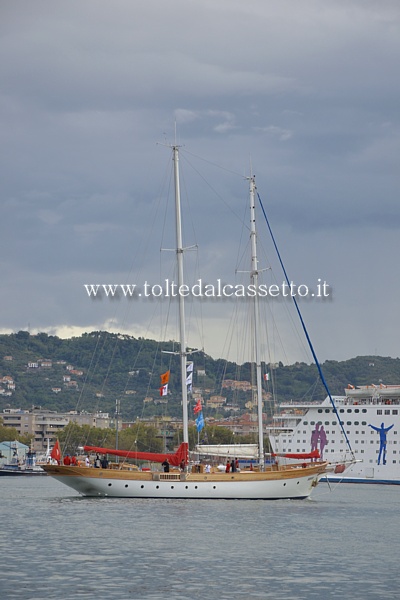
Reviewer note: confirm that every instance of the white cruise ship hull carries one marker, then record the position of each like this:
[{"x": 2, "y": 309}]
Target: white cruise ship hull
[{"x": 370, "y": 416}]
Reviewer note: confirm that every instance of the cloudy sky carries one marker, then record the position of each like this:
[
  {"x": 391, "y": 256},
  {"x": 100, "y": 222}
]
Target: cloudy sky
[{"x": 307, "y": 92}]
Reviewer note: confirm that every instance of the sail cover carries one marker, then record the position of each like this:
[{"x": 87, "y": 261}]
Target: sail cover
[
  {"x": 229, "y": 450},
  {"x": 174, "y": 459},
  {"x": 299, "y": 455}
]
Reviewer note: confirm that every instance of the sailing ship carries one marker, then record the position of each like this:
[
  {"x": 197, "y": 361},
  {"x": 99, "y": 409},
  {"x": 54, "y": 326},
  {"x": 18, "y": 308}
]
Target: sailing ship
[{"x": 267, "y": 481}]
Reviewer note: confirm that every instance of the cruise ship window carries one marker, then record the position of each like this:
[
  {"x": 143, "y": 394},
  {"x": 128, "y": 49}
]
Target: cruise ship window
[
  {"x": 356, "y": 422},
  {"x": 327, "y": 410},
  {"x": 349, "y": 410},
  {"x": 363, "y": 422},
  {"x": 341, "y": 410},
  {"x": 395, "y": 411},
  {"x": 334, "y": 423},
  {"x": 364, "y": 410},
  {"x": 320, "y": 410},
  {"x": 312, "y": 422},
  {"x": 327, "y": 423},
  {"x": 379, "y": 411},
  {"x": 387, "y": 412},
  {"x": 356, "y": 410},
  {"x": 348, "y": 423},
  {"x": 305, "y": 422}
]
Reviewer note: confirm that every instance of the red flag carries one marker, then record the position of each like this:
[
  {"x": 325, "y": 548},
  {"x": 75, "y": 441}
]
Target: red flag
[
  {"x": 198, "y": 407},
  {"x": 56, "y": 452},
  {"x": 164, "y": 378}
]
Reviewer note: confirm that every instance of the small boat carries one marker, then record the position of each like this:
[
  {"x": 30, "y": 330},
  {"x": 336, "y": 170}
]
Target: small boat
[
  {"x": 25, "y": 467},
  {"x": 269, "y": 480}
]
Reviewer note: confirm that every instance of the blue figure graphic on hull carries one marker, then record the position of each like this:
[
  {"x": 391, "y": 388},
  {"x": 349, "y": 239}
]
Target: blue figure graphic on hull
[{"x": 382, "y": 430}]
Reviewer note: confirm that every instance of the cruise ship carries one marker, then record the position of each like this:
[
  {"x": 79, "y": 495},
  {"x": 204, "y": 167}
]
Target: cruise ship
[{"x": 369, "y": 416}]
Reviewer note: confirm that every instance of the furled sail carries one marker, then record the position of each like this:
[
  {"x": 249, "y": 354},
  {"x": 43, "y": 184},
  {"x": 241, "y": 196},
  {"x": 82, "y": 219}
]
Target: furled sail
[
  {"x": 229, "y": 450},
  {"x": 174, "y": 459},
  {"x": 299, "y": 455}
]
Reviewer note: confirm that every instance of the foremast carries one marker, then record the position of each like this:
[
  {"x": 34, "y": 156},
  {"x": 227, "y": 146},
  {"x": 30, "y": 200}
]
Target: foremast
[
  {"x": 179, "y": 257},
  {"x": 256, "y": 319}
]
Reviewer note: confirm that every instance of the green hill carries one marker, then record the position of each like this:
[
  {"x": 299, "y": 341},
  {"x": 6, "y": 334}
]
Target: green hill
[{"x": 91, "y": 371}]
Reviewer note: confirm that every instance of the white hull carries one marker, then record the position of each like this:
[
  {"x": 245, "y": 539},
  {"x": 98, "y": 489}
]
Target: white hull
[{"x": 249, "y": 486}]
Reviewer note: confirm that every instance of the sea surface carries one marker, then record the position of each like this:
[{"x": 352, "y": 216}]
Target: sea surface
[{"x": 342, "y": 543}]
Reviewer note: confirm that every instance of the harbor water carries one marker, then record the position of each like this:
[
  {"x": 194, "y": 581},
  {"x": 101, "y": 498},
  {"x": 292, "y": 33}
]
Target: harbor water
[{"x": 342, "y": 543}]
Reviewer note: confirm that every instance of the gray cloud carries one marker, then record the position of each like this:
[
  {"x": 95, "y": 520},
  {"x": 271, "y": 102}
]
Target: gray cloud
[{"x": 308, "y": 93}]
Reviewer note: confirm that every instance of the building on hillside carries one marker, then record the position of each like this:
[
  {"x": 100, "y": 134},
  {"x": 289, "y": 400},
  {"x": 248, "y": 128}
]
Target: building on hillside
[
  {"x": 46, "y": 424},
  {"x": 215, "y": 401}
]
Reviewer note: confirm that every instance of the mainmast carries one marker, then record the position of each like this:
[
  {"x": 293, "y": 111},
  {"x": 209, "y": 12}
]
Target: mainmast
[
  {"x": 179, "y": 257},
  {"x": 256, "y": 317}
]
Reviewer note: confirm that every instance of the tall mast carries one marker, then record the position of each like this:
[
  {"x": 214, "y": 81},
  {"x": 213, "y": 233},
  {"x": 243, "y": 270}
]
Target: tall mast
[
  {"x": 179, "y": 257},
  {"x": 256, "y": 319}
]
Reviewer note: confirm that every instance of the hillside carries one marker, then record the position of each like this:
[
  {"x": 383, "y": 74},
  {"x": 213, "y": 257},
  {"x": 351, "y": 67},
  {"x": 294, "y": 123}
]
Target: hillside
[{"x": 91, "y": 371}]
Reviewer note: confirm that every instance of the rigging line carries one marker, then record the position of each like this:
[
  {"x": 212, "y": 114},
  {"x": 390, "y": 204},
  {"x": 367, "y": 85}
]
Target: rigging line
[
  {"x": 213, "y": 164},
  {"x": 305, "y": 329},
  {"x": 213, "y": 189}
]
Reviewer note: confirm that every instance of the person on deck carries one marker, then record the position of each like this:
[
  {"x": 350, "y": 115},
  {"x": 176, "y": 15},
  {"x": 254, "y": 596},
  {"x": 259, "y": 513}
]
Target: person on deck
[
  {"x": 165, "y": 464},
  {"x": 87, "y": 461},
  {"x": 97, "y": 462},
  {"x": 104, "y": 462},
  {"x": 67, "y": 460},
  {"x": 228, "y": 467}
]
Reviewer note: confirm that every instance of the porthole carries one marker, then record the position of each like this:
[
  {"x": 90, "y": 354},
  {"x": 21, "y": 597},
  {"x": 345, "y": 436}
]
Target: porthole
[
  {"x": 126, "y": 485},
  {"x": 110, "y": 484},
  {"x": 298, "y": 482},
  {"x": 142, "y": 486},
  {"x": 172, "y": 487},
  {"x": 214, "y": 487},
  {"x": 284, "y": 484},
  {"x": 157, "y": 487}
]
